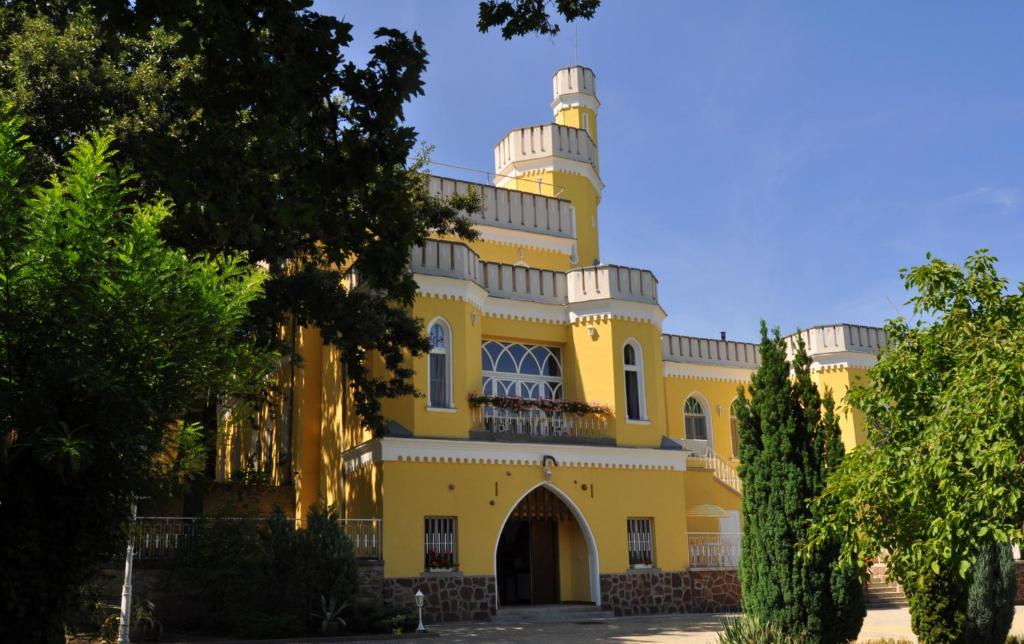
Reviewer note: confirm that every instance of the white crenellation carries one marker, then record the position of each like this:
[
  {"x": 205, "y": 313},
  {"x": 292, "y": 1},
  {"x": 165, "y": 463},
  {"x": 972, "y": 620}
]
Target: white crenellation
[
  {"x": 839, "y": 338},
  {"x": 689, "y": 349},
  {"x": 512, "y": 209},
  {"x": 608, "y": 281},
  {"x": 544, "y": 141}
]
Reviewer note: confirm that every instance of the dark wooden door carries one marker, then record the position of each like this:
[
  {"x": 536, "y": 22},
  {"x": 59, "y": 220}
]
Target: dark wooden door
[{"x": 544, "y": 561}]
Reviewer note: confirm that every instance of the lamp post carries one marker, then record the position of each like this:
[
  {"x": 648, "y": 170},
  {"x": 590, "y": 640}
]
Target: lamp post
[
  {"x": 419, "y": 607},
  {"x": 126, "y": 590}
]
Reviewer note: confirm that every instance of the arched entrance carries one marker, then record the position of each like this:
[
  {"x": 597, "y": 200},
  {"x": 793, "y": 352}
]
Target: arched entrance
[{"x": 546, "y": 553}]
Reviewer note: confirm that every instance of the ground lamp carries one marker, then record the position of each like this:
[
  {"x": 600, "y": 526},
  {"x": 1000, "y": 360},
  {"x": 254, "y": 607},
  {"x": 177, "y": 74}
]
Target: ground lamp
[{"x": 419, "y": 607}]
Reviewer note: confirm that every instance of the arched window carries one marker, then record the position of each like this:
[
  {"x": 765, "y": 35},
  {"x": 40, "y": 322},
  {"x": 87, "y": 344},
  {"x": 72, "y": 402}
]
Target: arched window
[
  {"x": 439, "y": 367},
  {"x": 633, "y": 366},
  {"x": 695, "y": 419},
  {"x": 734, "y": 429}
]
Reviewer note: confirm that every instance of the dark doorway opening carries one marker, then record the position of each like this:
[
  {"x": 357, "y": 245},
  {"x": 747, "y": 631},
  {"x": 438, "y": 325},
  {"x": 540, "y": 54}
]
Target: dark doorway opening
[{"x": 527, "y": 561}]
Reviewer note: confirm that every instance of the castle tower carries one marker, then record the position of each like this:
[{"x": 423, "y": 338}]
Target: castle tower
[{"x": 560, "y": 159}]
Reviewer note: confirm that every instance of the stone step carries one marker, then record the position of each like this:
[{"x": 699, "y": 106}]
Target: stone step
[{"x": 550, "y": 613}]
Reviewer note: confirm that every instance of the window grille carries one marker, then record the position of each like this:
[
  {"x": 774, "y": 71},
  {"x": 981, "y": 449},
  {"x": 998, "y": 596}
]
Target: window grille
[
  {"x": 640, "y": 540},
  {"x": 439, "y": 552}
]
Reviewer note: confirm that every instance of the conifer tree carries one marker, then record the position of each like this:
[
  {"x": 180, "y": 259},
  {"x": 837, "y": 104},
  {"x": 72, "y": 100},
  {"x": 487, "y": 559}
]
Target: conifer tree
[
  {"x": 991, "y": 595},
  {"x": 789, "y": 443}
]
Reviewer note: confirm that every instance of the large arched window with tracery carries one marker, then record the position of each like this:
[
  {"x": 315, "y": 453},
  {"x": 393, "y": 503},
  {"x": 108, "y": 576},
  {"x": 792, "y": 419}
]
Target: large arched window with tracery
[
  {"x": 439, "y": 367},
  {"x": 521, "y": 370}
]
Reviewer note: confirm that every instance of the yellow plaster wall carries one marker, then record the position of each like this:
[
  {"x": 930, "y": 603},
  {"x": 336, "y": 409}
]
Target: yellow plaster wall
[
  {"x": 851, "y": 421},
  {"x": 573, "y": 563},
  {"x": 719, "y": 394},
  {"x": 332, "y": 417},
  {"x": 467, "y": 491},
  {"x": 703, "y": 489},
  {"x": 584, "y": 197},
  {"x": 363, "y": 488},
  {"x": 573, "y": 117},
  {"x": 307, "y": 445},
  {"x": 649, "y": 336}
]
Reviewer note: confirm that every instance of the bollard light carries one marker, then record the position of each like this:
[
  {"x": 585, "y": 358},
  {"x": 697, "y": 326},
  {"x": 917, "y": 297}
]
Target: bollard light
[{"x": 419, "y": 607}]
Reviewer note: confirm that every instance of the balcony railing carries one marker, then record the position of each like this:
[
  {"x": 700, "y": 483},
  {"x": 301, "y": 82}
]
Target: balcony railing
[
  {"x": 714, "y": 550},
  {"x": 724, "y": 471},
  {"x": 163, "y": 538},
  {"x": 536, "y": 423}
]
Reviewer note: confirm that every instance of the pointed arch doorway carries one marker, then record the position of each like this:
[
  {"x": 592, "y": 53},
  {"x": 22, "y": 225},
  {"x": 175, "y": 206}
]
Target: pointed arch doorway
[{"x": 546, "y": 553}]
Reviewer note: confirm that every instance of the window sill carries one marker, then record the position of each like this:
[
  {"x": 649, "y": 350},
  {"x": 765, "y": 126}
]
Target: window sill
[
  {"x": 644, "y": 421},
  {"x": 445, "y": 410},
  {"x": 442, "y": 572},
  {"x": 642, "y": 568}
]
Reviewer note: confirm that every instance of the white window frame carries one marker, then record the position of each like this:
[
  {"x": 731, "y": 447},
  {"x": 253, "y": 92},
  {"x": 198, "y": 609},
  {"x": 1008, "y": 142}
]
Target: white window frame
[
  {"x": 447, "y": 351},
  {"x": 638, "y": 368},
  {"x": 734, "y": 438},
  {"x": 522, "y": 379},
  {"x": 708, "y": 424}
]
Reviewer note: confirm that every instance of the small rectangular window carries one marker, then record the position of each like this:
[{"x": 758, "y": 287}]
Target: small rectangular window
[
  {"x": 640, "y": 540},
  {"x": 439, "y": 551}
]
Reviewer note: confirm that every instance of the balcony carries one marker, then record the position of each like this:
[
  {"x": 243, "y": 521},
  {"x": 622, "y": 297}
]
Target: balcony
[
  {"x": 714, "y": 550},
  {"x": 538, "y": 425}
]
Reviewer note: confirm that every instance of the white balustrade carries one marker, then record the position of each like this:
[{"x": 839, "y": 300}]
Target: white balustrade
[
  {"x": 714, "y": 550},
  {"x": 538, "y": 423}
]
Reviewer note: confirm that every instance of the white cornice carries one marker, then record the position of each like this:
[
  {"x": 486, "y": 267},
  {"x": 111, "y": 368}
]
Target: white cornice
[
  {"x": 843, "y": 360},
  {"x": 452, "y": 288},
  {"x": 361, "y": 456},
  {"x": 515, "y": 169},
  {"x": 706, "y": 372},
  {"x": 516, "y": 237},
  {"x": 575, "y": 99},
  {"x": 431, "y": 450},
  {"x": 616, "y": 309}
]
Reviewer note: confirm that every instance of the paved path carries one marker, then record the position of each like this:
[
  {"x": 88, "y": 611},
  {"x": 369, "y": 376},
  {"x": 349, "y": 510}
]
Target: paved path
[{"x": 688, "y": 628}]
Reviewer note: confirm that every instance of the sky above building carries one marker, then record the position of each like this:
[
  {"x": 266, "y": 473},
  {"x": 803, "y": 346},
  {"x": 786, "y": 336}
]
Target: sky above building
[{"x": 765, "y": 159}]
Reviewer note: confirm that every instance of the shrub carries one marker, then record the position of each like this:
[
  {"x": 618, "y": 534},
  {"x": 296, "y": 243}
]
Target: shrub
[
  {"x": 267, "y": 579},
  {"x": 937, "y": 606},
  {"x": 991, "y": 595},
  {"x": 750, "y": 629}
]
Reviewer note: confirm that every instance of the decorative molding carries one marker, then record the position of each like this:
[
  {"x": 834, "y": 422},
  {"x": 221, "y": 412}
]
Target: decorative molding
[
  {"x": 431, "y": 450},
  {"x": 452, "y": 289},
  {"x": 575, "y": 99},
  {"x": 594, "y": 310},
  {"x": 843, "y": 360},
  {"x": 523, "y": 169},
  {"x": 706, "y": 372},
  {"x": 361, "y": 456},
  {"x": 515, "y": 237}
]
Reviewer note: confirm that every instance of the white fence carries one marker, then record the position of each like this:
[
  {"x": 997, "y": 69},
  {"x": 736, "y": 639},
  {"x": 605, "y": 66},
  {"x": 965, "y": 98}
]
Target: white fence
[
  {"x": 537, "y": 423},
  {"x": 714, "y": 550},
  {"x": 724, "y": 471},
  {"x": 166, "y": 537}
]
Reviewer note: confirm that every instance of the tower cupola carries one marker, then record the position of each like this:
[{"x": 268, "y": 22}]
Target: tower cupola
[{"x": 575, "y": 98}]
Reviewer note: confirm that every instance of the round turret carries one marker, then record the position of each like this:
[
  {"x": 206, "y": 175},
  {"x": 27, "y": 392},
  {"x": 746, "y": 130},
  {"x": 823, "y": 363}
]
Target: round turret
[{"x": 574, "y": 86}]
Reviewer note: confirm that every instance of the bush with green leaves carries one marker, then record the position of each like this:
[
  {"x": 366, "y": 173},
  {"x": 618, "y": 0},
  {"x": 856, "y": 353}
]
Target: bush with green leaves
[
  {"x": 265, "y": 578},
  {"x": 751, "y": 629},
  {"x": 991, "y": 595}
]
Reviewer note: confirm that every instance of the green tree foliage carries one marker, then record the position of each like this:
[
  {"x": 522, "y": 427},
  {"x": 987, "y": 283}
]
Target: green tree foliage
[
  {"x": 789, "y": 445},
  {"x": 991, "y": 595},
  {"x": 941, "y": 474},
  {"x": 521, "y": 17},
  {"x": 107, "y": 335},
  {"x": 252, "y": 120}
]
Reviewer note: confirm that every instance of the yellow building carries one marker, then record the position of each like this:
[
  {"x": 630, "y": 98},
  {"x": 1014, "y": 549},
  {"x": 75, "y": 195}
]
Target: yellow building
[{"x": 630, "y": 501}]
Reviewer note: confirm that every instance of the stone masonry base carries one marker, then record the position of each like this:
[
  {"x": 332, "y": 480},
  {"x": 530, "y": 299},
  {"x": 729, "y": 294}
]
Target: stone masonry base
[
  {"x": 448, "y": 597},
  {"x": 453, "y": 597}
]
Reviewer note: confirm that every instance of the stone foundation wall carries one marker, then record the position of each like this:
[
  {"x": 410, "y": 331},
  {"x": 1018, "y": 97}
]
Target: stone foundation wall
[
  {"x": 645, "y": 592},
  {"x": 371, "y": 582},
  {"x": 715, "y": 591},
  {"x": 650, "y": 592},
  {"x": 448, "y": 597}
]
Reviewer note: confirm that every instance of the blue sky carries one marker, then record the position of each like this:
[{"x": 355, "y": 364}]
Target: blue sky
[{"x": 765, "y": 159}]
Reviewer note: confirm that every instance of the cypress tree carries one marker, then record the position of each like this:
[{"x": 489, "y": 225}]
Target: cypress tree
[
  {"x": 991, "y": 595},
  {"x": 789, "y": 442}
]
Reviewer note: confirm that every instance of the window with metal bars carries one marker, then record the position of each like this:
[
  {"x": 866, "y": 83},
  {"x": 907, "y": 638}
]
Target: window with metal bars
[
  {"x": 439, "y": 551},
  {"x": 640, "y": 541}
]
